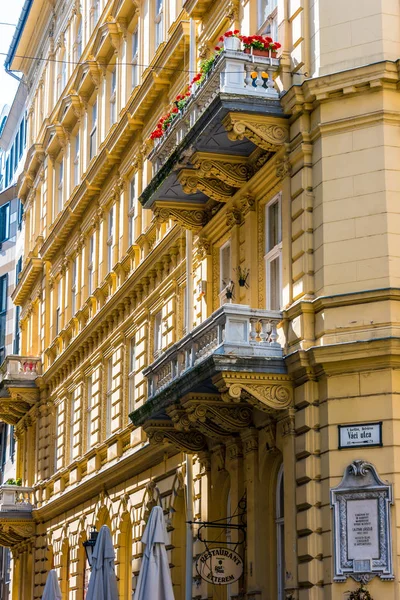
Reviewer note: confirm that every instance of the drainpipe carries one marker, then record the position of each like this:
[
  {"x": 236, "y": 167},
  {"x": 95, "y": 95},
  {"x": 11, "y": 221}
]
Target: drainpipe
[
  {"x": 189, "y": 281},
  {"x": 189, "y": 532}
]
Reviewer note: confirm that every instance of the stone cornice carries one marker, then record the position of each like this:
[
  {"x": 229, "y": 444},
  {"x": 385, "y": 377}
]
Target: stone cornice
[{"x": 361, "y": 80}]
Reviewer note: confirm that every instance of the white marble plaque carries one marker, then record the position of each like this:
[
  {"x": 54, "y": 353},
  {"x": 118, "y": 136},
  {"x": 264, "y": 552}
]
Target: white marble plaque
[{"x": 362, "y": 529}]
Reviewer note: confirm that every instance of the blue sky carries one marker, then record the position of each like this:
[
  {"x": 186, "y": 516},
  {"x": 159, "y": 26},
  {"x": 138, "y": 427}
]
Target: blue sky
[{"x": 10, "y": 11}]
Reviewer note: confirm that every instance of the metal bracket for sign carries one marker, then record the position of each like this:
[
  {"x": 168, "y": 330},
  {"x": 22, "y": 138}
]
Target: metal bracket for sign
[{"x": 241, "y": 527}]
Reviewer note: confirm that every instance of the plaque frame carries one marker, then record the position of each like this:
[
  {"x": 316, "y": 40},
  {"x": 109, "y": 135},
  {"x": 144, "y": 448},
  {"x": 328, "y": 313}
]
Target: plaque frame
[{"x": 362, "y": 482}]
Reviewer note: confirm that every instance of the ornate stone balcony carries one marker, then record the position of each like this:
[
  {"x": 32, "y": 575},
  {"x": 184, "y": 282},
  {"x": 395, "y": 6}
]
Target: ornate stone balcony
[
  {"x": 209, "y": 384},
  {"x": 233, "y": 330},
  {"x": 235, "y": 73},
  {"x": 18, "y": 390},
  {"x": 16, "y": 505},
  {"x": 231, "y": 126}
]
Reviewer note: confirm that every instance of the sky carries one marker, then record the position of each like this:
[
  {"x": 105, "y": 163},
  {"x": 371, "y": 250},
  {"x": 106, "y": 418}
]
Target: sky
[{"x": 10, "y": 12}]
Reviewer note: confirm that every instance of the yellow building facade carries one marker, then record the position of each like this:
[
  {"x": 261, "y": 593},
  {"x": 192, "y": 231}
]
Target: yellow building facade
[{"x": 202, "y": 308}]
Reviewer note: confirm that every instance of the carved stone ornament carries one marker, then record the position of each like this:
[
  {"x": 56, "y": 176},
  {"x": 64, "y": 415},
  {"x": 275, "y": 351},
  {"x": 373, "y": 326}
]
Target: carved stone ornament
[
  {"x": 227, "y": 169},
  {"x": 192, "y": 182},
  {"x": 266, "y": 132},
  {"x": 362, "y": 532},
  {"x": 163, "y": 432},
  {"x": 266, "y": 395},
  {"x": 192, "y": 219},
  {"x": 283, "y": 167}
]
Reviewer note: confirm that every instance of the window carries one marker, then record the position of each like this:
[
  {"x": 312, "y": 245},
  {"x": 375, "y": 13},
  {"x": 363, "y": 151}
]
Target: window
[
  {"x": 113, "y": 96},
  {"x": 74, "y": 285},
  {"x": 93, "y": 132},
  {"x": 110, "y": 239},
  {"x": 77, "y": 171},
  {"x": 63, "y": 73},
  {"x": 60, "y": 185},
  {"x": 225, "y": 266},
  {"x": 79, "y": 41},
  {"x": 268, "y": 14},
  {"x": 4, "y": 222},
  {"x": 18, "y": 269},
  {"x": 73, "y": 408},
  {"x": 17, "y": 334},
  {"x": 131, "y": 374},
  {"x": 91, "y": 264},
  {"x": 58, "y": 309},
  {"x": 159, "y": 22},
  {"x": 280, "y": 535},
  {"x": 135, "y": 58},
  {"x": 3, "y": 315},
  {"x": 109, "y": 396},
  {"x": 96, "y": 11},
  {"x": 131, "y": 211},
  {"x": 20, "y": 214},
  {"x": 157, "y": 333},
  {"x": 89, "y": 404},
  {"x": 273, "y": 256}
]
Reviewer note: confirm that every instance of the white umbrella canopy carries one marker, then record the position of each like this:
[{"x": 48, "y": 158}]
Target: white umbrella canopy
[
  {"x": 52, "y": 589},
  {"x": 154, "y": 581},
  {"x": 103, "y": 581}
]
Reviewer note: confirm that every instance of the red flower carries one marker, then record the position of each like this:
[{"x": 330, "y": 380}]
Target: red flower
[
  {"x": 175, "y": 110},
  {"x": 236, "y": 31},
  {"x": 217, "y": 48},
  {"x": 268, "y": 40},
  {"x": 228, "y": 33},
  {"x": 221, "y": 39},
  {"x": 187, "y": 94},
  {"x": 277, "y": 45}
]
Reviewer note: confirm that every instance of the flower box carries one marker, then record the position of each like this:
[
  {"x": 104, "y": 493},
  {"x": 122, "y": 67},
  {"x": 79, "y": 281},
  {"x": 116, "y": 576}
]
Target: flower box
[{"x": 263, "y": 53}]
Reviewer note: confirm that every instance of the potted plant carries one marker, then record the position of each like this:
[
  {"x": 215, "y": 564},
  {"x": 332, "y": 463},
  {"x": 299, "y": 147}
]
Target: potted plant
[
  {"x": 231, "y": 40},
  {"x": 243, "y": 273},
  {"x": 360, "y": 593},
  {"x": 257, "y": 45},
  {"x": 229, "y": 290}
]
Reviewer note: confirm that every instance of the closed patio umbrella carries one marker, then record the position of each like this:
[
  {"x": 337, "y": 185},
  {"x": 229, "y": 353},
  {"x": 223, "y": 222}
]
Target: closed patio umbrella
[
  {"x": 154, "y": 581},
  {"x": 103, "y": 581},
  {"x": 52, "y": 589}
]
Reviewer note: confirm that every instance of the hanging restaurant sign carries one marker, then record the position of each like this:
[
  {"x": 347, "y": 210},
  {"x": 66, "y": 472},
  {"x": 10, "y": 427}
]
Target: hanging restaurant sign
[{"x": 219, "y": 566}]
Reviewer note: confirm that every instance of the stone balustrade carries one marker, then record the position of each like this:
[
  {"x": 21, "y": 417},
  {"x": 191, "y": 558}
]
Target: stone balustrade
[
  {"x": 234, "y": 73},
  {"x": 20, "y": 368},
  {"x": 15, "y": 498},
  {"x": 234, "y": 330}
]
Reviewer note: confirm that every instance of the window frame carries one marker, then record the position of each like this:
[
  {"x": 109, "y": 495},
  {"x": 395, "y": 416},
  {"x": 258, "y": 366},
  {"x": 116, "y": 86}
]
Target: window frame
[
  {"x": 77, "y": 154},
  {"x": 5, "y": 222},
  {"x": 131, "y": 374},
  {"x": 110, "y": 238},
  {"x": 93, "y": 131},
  {"x": 109, "y": 393},
  {"x": 159, "y": 22},
  {"x": 222, "y": 284},
  {"x": 60, "y": 185},
  {"x": 91, "y": 254},
  {"x": 89, "y": 406},
  {"x": 157, "y": 334},
  {"x": 113, "y": 96},
  {"x": 135, "y": 58},
  {"x": 273, "y": 253},
  {"x": 3, "y": 314},
  {"x": 132, "y": 210}
]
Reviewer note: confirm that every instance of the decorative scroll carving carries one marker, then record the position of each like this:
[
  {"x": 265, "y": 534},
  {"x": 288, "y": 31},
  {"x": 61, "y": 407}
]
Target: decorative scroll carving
[
  {"x": 192, "y": 182},
  {"x": 163, "y": 432},
  {"x": 224, "y": 168},
  {"x": 15, "y": 532},
  {"x": 266, "y": 394},
  {"x": 283, "y": 167},
  {"x": 266, "y": 132},
  {"x": 189, "y": 218}
]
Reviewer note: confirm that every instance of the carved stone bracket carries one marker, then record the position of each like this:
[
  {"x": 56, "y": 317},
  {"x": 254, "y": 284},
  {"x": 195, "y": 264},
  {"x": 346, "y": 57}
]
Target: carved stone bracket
[
  {"x": 268, "y": 133},
  {"x": 231, "y": 170},
  {"x": 192, "y": 182},
  {"x": 15, "y": 532},
  {"x": 190, "y": 217},
  {"x": 266, "y": 392},
  {"x": 163, "y": 432}
]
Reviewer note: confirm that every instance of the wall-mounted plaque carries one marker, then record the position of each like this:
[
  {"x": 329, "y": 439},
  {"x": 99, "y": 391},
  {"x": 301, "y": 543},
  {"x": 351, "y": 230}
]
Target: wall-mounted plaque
[
  {"x": 360, "y": 435},
  {"x": 362, "y": 527}
]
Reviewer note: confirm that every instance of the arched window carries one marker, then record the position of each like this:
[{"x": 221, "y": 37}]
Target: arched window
[{"x": 280, "y": 535}]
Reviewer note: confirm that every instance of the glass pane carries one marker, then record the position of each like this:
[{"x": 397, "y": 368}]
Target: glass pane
[
  {"x": 225, "y": 266},
  {"x": 274, "y": 234},
  {"x": 274, "y": 284}
]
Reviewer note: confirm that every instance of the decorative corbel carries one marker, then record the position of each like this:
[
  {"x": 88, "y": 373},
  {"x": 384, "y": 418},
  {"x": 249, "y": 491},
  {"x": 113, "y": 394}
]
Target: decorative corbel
[
  {"x": 265, "y": 392},
  {"x": 267, "y": 132}
]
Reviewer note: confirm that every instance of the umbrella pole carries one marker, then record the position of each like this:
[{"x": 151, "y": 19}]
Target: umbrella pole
[{"x": 189, "y": 532}]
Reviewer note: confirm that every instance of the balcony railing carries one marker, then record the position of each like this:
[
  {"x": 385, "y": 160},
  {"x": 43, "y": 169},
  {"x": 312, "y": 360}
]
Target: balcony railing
[
  {"x": 233, "y": 330},
  {"x": 15, "y": 498},
  {"x": 234, "y": 73},
  {"x": 20, "y": 368}
]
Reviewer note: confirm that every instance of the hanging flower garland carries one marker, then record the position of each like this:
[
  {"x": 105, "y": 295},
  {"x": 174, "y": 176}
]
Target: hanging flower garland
[{"x": 256, "y": 42}]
